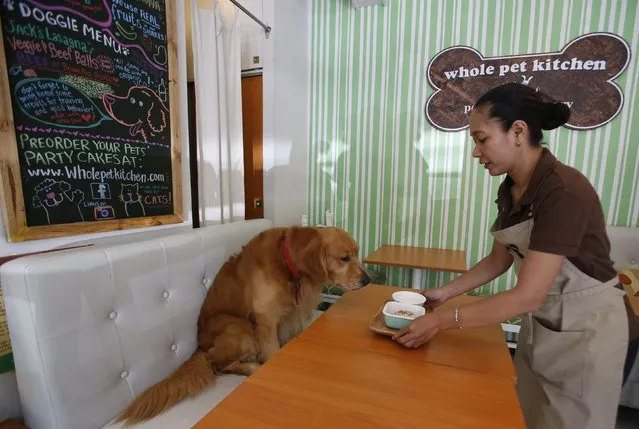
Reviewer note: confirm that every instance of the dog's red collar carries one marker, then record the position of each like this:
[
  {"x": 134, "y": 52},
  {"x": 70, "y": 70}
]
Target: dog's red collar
[{"x": 291, "y": 268}]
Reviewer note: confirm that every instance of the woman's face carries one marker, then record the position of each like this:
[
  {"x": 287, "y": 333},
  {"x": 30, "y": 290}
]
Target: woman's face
[{"x": 495, "y": 148}]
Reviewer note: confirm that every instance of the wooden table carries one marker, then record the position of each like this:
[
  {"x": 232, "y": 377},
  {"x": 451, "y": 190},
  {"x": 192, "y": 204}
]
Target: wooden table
[
  {"x": 346, "y": 324},
  {"x": 337, "y": 375},
  {"x": 418, "y": 259}
]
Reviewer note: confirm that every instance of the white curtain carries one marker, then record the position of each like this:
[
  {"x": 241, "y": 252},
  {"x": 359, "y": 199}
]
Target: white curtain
[{"x": 218, "y": 94}]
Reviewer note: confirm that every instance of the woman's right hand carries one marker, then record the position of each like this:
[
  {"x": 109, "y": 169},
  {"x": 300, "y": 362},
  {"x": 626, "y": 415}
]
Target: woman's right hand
[{"x": 436, "y": 297}]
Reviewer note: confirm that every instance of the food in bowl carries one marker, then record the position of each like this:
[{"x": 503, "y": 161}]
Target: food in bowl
[
  {"x": 398, "y": 315},
  {"x": 404, "y": 313},
  {"x": 408, "y": 297}
]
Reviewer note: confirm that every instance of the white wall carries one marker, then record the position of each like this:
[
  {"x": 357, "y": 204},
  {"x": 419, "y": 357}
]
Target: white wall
[
  {"x": 252, "y": 34},
  {"x": 285, "y": 61},
  {"x": 284, "y": 58},
  {"x": 7, "y": 248},
  {"x": 286, "y": 87}
]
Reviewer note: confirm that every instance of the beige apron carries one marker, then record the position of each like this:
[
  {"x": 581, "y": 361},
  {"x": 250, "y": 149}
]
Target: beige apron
[{"x": 570, "y": 353}]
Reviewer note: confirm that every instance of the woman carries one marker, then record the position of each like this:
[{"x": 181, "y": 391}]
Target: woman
[{"x": 550, "y": 223}]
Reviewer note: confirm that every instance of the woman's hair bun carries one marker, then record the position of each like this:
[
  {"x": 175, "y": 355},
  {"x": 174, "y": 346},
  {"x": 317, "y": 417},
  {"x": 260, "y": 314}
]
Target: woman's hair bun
[
  {"x": 555, "y": 115},
  {"x": 515, "y": 101}
]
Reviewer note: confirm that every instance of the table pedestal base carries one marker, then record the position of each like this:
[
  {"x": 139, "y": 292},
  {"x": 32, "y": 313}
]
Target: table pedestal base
[{"x": 417, "y": 279}]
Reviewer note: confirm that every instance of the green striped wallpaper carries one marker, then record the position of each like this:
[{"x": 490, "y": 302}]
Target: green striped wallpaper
[{"x": 390, "y": 177}]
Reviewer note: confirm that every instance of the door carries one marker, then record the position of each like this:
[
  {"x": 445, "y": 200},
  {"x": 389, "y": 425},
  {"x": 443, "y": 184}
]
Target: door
[{"x": 253, "y": 133}]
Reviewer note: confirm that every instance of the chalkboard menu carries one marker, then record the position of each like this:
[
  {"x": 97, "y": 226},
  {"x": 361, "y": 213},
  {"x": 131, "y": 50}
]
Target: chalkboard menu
[{"x": 88, "y": 121}]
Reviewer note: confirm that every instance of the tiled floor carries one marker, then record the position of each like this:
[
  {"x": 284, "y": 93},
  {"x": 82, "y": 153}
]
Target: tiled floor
[{"x": 628, "y": 418}]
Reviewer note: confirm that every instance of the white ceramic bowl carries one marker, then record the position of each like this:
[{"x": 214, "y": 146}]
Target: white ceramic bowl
[
  {"x": 396, "y": 321},
  {"x": 408, "y": 297}
]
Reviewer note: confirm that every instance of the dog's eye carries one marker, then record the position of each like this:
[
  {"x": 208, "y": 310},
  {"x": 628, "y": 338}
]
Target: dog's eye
[
  {"x": 132, "y": 100},
  {"x": 345, "y": 258},
  {"x": 141, "y": 104}
]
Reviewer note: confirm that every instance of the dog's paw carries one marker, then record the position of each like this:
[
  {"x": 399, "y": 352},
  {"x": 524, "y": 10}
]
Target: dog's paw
[
  {"x": 243, "y": 368},
  {"x": 262, "y": 358},
  {"x": 267, "y": 352}
]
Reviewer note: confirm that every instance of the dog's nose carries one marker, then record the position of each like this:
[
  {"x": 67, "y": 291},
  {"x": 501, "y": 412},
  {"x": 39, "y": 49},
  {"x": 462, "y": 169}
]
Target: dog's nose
[
  {"x": 365, "y": 279},
  {"x": 109, "y": 98}
]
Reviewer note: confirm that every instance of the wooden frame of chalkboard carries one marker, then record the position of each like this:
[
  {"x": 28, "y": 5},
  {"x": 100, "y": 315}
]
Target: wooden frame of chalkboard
[{"x": 89, "y": 117}]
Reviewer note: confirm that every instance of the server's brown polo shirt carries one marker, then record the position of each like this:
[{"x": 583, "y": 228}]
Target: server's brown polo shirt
[{"x": 568, "y": 217}]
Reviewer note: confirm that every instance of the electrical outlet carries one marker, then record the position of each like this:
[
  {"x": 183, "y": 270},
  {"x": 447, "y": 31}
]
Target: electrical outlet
[{"x": 256, "y": 59}]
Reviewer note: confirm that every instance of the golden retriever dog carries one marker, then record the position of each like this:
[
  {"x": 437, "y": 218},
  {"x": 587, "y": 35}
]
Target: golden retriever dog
[{"x": 261, "y": 298}]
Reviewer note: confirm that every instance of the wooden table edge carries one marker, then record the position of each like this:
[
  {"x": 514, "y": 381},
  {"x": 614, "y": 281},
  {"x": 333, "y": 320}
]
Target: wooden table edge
[{"x": 415, "y": 266}]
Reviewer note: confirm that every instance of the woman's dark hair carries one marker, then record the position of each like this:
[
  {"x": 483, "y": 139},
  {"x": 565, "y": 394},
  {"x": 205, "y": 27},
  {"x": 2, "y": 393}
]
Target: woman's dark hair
[{"x": 513, "y": 101}]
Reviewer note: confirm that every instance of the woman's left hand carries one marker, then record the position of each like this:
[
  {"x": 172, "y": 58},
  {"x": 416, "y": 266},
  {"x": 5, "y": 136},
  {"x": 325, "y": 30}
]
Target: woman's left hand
[{"x": 421, "y": 330}]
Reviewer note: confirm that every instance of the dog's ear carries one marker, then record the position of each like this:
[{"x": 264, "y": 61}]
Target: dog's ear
[
  {"x": 156, "y": 118},
  {"x": 65, "y": 186},
  {"x": 308, "y": 252}
]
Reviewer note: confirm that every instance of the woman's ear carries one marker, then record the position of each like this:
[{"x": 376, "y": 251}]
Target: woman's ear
[{"x": 520, "y": 128}]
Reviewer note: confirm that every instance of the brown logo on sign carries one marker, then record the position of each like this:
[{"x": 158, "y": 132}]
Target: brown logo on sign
[{"x": 581, "y": 75}]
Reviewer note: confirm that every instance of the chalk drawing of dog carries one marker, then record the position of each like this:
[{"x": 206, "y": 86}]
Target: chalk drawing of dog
[
  {"x": 140, "y": 109},
  {"x": 59, "y": 204}
]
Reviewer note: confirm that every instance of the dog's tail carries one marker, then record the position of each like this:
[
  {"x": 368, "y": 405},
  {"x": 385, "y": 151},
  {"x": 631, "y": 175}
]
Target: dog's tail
[{"x": 191, "y": 378}]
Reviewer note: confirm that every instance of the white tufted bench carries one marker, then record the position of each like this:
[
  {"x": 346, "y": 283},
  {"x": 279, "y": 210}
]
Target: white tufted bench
[{"x": 93, "y": 328}]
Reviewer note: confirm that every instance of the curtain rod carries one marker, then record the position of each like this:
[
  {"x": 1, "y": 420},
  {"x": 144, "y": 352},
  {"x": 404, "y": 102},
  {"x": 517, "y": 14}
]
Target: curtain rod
[{"x": 267, "y": 29}]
